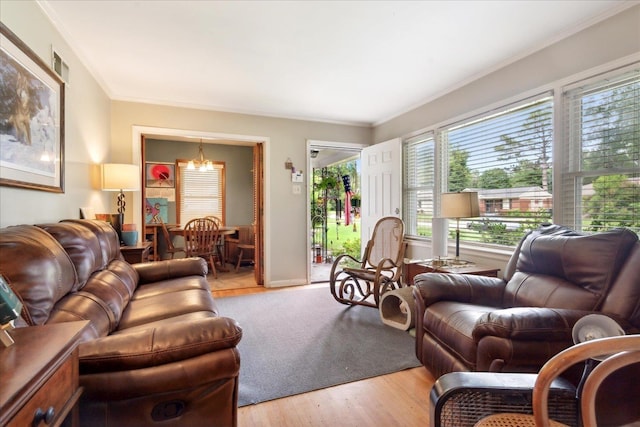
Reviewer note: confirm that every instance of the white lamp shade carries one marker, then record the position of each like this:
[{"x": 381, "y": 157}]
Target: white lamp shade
[
  {"x": 120, "y": 176},
  {"x": 460, "y": 205}
]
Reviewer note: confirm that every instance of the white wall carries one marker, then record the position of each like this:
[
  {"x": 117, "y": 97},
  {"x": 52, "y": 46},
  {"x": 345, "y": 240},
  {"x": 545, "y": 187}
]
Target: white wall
[{"x": 87, "y": 129}]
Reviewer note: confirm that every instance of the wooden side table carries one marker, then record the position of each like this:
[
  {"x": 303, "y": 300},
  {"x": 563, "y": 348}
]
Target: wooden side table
[
  {"x": 410, "y": 270},
  {"x": 40, "y": 383},
  {"x": 137, "y": 253}
]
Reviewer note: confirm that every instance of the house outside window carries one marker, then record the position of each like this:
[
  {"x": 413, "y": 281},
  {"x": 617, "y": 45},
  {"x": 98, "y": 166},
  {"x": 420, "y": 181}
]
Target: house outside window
[{"x": 200, "y": 193}]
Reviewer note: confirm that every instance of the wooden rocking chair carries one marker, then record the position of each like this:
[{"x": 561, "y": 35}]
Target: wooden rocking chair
[{"x": 354, "y": 282}]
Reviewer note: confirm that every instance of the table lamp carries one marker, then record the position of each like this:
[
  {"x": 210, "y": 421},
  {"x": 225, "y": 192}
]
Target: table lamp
[
  {"x": 463, "y": 204},
  {"x": 120, "y": 177}
]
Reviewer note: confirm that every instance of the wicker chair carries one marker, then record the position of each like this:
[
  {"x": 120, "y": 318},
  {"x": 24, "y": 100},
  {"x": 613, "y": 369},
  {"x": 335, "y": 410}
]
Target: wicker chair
[
  {"x": 622, "y": 351},
  {"x": 355, "y": 282}
]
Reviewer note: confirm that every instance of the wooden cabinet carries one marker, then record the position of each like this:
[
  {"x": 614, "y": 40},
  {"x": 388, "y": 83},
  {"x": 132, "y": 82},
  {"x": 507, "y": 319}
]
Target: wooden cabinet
[
  {"x": 40, "y": 385},
  {"x": 410, "y": 270},
  {"x": 137, "y": 253}
]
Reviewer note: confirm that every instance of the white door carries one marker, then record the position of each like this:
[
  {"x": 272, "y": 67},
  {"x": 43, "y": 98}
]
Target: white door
[{"x": 381, "y": 184}]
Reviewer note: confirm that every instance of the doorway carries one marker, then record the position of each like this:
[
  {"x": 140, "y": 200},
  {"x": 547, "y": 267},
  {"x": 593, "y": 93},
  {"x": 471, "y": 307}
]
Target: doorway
[
  {"x": 333, "y": 215},
  {"x": 256, "y": 168}
]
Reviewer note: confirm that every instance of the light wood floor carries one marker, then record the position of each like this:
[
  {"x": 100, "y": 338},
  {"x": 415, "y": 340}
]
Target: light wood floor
[{"x": 398, "y": 399}]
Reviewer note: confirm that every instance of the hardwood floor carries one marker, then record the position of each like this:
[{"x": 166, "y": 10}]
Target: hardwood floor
[{"x": 398, "y": 399}]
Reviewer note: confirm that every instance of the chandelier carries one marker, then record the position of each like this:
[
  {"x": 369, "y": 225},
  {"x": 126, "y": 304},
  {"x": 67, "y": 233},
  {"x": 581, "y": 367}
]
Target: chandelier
[{"x": 200, "y": 162}]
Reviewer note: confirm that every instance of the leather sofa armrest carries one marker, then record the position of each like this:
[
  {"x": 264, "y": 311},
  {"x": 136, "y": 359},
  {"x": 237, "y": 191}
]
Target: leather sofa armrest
[
  {"x": 468, "y": 288},
  {"x": 154, "y": 346},
  {"x": 150, "y": 272},
  {"x": 528, "y": 323}
]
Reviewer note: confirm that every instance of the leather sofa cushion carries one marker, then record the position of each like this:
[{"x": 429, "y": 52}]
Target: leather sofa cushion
[
  {"x": 83, "y": 248},
  {"x": 38, "y": 268},
  {"x": 145, "y": 310}
]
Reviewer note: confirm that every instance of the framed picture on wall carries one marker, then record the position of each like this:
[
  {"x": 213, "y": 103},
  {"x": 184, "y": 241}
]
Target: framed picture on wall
[
  {"x": 160, "y": 175},
  {"x": 31, "y": 118}
]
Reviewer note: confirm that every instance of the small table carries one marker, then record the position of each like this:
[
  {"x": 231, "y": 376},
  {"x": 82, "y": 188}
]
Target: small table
[
  {"x": 40, "y": 379},
  {"x": 410, "y": 270},
  {"x": 137, "y": 253}
]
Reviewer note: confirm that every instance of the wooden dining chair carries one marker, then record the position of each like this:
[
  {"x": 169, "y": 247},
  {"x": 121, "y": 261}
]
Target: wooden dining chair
[
  {"x": 246, "y": 245},
  {"x": 220, "y": 243},
  {"x": 201, "y": 236},
  {"x": 171, "y": 249}
]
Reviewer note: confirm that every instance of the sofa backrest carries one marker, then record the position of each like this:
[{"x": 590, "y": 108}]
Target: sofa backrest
[
  {"x": 560, "y": 268},
  {"x": 84, "y": 276},
  {"x": 37, "y": 268}
]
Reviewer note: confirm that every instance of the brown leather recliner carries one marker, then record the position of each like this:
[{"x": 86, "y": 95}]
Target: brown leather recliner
[
  {"x": 156, "y": 352},
  {"x": 517, "y": 323}
]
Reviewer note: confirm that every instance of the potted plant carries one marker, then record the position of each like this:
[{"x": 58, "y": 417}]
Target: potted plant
[{"x": 327, "y": 183}]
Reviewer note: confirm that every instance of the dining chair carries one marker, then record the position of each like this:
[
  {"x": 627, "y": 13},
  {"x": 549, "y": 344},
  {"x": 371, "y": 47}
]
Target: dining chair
[
  {"x": 171, "y": 249},
  {"x": 220, "y": 243},
  {"x": 201, "y": 236},
  {"x": 246, "y": 245}
]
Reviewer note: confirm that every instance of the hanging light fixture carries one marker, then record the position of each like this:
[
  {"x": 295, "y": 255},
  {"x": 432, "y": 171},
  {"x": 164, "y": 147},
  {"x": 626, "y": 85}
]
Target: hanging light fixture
[{"x": 202, "y": 163}]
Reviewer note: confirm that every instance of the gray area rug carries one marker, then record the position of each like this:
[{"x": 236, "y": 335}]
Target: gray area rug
[{"x": 299, "y": 340}]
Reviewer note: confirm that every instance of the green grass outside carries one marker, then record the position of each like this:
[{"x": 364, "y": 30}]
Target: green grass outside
[{"x": 337, "y": 235}]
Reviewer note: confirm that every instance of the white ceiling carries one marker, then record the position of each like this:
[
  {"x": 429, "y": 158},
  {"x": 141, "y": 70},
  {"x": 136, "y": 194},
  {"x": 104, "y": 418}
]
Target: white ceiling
[{"x": 358, "y": 62}]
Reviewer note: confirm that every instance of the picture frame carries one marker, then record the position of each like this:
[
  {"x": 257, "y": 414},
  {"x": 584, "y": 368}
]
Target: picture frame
[
  {"x": 160, "y": 175},
  {"x": 32, "y": 122}
]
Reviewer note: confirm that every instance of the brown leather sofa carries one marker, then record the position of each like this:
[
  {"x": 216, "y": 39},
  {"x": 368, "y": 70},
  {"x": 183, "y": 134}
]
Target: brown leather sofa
[
  {"x": 156, "y": 352},
  {"x": 518, "y": 322}
]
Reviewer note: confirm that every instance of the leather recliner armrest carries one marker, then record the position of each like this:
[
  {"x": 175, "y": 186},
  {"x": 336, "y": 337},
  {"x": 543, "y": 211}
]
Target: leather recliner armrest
[
  {"x": 150, "y": 272},
  {"x": 468, "y": 288},
  {"x": 529, "y": 323},
  {"x": 154, "y": 346},
  {"x": 535, "y": 323}
]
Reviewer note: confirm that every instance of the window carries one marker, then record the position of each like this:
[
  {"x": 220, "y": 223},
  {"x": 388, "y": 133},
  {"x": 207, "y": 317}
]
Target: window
[
  {"x": 601, "y": 178},
  {"x": 418, "y": 184},
  {"x": 506, "y": 156},
  {"x": 201, "y": 193}
]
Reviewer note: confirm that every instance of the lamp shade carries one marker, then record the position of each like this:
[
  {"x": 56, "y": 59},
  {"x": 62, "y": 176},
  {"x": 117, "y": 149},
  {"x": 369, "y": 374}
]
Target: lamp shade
[
  {"x": 120, "y": 177},
  {"x": 460, "y": 205}
]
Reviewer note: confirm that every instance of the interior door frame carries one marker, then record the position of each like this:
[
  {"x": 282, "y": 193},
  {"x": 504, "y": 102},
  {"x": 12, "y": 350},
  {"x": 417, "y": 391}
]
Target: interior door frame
[{"x": 261, "y": 198}]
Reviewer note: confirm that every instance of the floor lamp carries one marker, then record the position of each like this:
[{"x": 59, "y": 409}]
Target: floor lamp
[
  {"x": 463, "y": 204},
  {"x": 120, "y": 177}
]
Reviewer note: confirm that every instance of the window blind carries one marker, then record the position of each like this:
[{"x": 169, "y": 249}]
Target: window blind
[
  {"x": 506, "y": 156},
  {"x": 201, "y": 192},
  {"x": 418, "y": 184},
  {"x": 601, "y": 179}
]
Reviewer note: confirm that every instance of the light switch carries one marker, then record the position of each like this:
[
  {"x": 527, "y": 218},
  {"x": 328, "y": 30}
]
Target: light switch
[{"x": 297, "y": 189}]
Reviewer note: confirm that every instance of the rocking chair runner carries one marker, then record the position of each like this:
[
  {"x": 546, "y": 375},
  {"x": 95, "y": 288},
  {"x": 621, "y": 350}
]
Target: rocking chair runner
[{"x": 354, "y": 282}]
